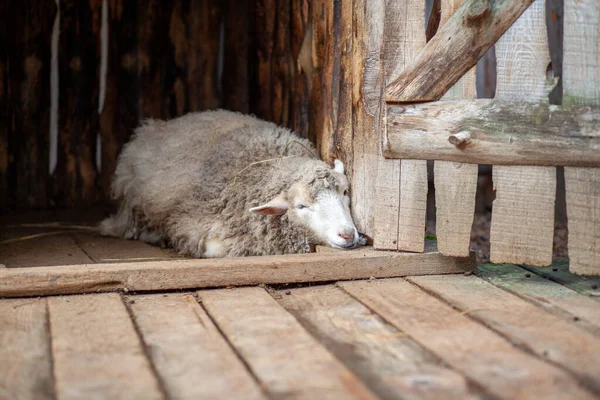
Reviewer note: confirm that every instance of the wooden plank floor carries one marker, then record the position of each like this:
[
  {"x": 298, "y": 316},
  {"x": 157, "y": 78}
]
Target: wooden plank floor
[{"x": 502, "y": 333}]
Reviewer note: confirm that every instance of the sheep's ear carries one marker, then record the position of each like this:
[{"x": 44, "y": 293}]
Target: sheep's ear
[
  {"x": 277, "y": 206},
  {"x": 338, "y": 166}
]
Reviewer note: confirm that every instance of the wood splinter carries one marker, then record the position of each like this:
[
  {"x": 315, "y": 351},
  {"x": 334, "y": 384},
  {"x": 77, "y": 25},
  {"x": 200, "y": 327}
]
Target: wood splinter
[{"x": 460, "y": 139}]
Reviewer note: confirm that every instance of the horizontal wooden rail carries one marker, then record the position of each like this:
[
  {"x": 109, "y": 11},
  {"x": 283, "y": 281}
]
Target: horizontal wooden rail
[
  {"x": 205, "y": 273},
  {"x": 494, "y": 132}
]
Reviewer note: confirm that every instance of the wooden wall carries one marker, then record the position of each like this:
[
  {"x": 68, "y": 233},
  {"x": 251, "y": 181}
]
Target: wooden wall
[{"x": 282, "y": 60}]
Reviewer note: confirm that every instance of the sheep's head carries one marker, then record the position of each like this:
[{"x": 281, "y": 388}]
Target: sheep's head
[{"x": 321, "y": 205}]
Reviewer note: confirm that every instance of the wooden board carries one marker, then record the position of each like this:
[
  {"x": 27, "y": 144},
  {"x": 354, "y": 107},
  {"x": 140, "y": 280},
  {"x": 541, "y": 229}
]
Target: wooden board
[
  {"x": 185, "y": 274},
  {"x": 588, "y": 285},
  {"x": 463, "y": 344},
  {"x": 191, "y": 357},
  {"x": 558, "y": 299},
  {"x": 522, "y": 228},
  {"x": 97, "y": 353},
  {"x": 391, "y": 364},
  {"x": 549, "y": 337},
  {"x": 285, "y": 358},
  {"x": 500, "y": 132},
  {"x": 25, "y": 370},
  {"x": 455, "y": 49}
]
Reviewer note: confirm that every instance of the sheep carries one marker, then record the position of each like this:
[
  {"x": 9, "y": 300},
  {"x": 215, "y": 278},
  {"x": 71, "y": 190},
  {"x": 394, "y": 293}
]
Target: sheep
[{"x": 223, "y": 184}]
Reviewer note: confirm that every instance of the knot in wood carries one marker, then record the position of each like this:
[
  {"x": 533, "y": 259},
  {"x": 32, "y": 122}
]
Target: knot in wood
[
  {"x": 461, "y": 138},
  {"x": 477, "y": 11}
]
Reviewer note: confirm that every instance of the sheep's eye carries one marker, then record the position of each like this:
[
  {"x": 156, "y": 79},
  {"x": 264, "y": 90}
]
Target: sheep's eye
[
  {"x": 300, "y": 206},
  {"x": 346, "y": 193}
]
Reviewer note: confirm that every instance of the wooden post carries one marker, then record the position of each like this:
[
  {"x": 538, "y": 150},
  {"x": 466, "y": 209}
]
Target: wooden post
[
  {"x": 302, "y": 66},
  {"x": 581, "y": 83}
]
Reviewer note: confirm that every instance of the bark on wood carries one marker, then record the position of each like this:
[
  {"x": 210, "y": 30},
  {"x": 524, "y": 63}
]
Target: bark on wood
[
  {"x": 25, "y": 90},
  {"x": 522, "y": 228},
  {"x": 581, "y": 83},
  {"x": 501, "y": 133},
  {"x": 455, "y": 49},
  {"x": 79, "y": 60},
  {"x": 464, "y": 344},
  {"x": 120, "y": 111},
  {"x": 179, "y": 274},
  {"x": 237, "y": 42}
]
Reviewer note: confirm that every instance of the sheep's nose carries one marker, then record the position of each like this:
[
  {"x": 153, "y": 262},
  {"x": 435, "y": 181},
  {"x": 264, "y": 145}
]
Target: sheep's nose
[{"x": 347, "y": 234}]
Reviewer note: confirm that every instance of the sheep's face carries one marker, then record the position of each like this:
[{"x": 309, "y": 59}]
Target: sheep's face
[{"x": 324, "y": 212}]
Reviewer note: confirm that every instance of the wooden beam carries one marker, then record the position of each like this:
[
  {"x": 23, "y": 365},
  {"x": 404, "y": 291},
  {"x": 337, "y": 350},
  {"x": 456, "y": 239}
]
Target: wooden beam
[
  {"x": 455, "y": 49},
  {"x": 187, "y": 274},
  {"x": 499, "y": 132}
]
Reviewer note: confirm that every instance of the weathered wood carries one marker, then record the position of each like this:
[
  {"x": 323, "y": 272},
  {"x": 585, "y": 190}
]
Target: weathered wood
[
  {"x": 588, "y": 285},
  {"x": 463, "y": 344},
  {"x": 502, "y": 132},
  {"x": 5, "y": 110},
  {"x": 274, "y": 346},
  {"x": 301, "y": 43},
  {"x": 455, "y": 49},
  {"x": 26, "y": 370},
  {"x": 97, "y": 353},
  {"x": 185, "y": 274},
  {"x": 25, "y": 131},
  {"x": 191, "y": 357},
  {"x": 524, "y": 324},
  {"x": 557, "y": 299},
  {"x": 281, "y": 74},
  {"x": 265, "y": 26},
  {"x": 79, "y": 59},
  {"x": 237, "y": 41},
  {"x": 120, "y": 109},
  {"x": 522, "y": 228},
  {"x": 390, "y": 364},
  {"x": 581, "y": 85}
]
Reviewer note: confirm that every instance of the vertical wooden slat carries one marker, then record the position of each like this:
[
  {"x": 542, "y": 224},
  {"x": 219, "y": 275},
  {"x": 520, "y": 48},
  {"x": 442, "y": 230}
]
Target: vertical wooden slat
[
  {"x": 280, "y": 65},
  {"x": 400, "y": 219},
  {"x": 237, "y": 41},
  {"x": 79, "y": 64},
  {"x": 301, "y": 38},
  {"x": 5, "y": 114},
  {"x": 264, "y": 27},
  {"x": 522, "y": 228},
  {"x": 581, "y": 85},
  {"x": 455, "y": 183},
  {"x": 25, "y": 370},
  {"x": 28, "y": 53},
  {"x": 121, "y": 108}
]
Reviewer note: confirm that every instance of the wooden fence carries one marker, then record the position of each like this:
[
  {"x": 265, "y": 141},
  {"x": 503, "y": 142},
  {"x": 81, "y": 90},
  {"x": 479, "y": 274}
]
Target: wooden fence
[{"x": 518, "y": 132}]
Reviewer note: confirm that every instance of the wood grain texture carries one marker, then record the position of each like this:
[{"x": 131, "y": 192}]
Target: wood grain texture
[
  {"x": 522, "y": 228},
  {"x": 502, "y": 132},
  {"x": 192, "y": 358},
  {"x": 97, "y": 353},
  {"x": 455, "y": 49},
  {"x": 455, "y": 183},
  {"x": 583, "y": 311},
  {"x": 390, "y": 364},
  {"x": 265, "y": 26},
  {"x": 463, "y": 344},
  {"x": 301, "y": 41},
  {"x": 274, "y": 345},
  {"x": 237, "y": 45},
  {"x": 403, "y": 37},
  {"x": 581, "y": 85},
  {"x": 185, "y": 274},
  {"x": 5, "y": 111},
  {"x": 120, "y": 111},
  {"x": 26, "y": 370},
  {"x": 74, "y": 181},
  {"x": 549, "y": 337},
  {"x": 587, "y": 285}
]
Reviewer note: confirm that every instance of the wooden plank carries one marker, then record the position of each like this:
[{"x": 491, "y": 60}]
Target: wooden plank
[
  {"x": 97, "y": 353},
  {"x": 274, "y": 345},
  {"x": 265, "y": 11},
  {"x": 27, "y": 126},
  {"x": 403, "y": 38},
  {"x": 60, "y": 249},
  {"x": 120, "y": 109},
  {"x": 588, "y": 285},
  {"x": 560, "y": 300},
  {"x": 463, "y": 344},
  {"x": 392, "y": 365},
  {"x": 301, "y": 41},
  {"x": 5, "y": 110},
  {"x": 522, "y": 228},
  {"x": 455, "y": 49},
  {"x": 191, "y": 357},
  {"x": 236, "y": 48},
  {"x": 549, "y": 337},
  {"x": 26, "y": 370},
  {"x": 185, "y": 274},
  {"x": 105, "y": 249},
  {"x": 455, "y": 183},
  {"x": 581, "y": 83},
  {"x": 79, "y": 59},
  {"x": 501, "y": 132},
  {"x": 280, "y": 68}
]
